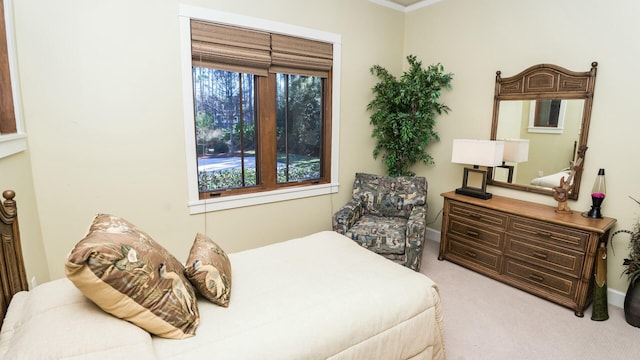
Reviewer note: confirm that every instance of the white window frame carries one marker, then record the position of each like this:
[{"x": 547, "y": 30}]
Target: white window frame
[
  {"x": 13, "y": 143},
  {"x": 196, "y": 205},
  {"x": 543, "y": 129}
]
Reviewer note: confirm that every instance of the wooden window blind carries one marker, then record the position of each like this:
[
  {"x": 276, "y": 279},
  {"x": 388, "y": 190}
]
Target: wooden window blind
[
  {"x": 291, "y": 55},
  {"x": 244, "y": 50},
  {"x": 230, "y": 48}
]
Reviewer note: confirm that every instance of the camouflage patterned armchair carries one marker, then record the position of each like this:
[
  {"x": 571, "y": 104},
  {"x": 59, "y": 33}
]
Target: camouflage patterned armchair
[{"x": 387, "y": 215}]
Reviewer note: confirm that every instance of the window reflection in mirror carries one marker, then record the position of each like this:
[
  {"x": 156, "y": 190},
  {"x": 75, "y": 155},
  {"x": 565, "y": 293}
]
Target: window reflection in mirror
[{"x": 547, "y": 114}]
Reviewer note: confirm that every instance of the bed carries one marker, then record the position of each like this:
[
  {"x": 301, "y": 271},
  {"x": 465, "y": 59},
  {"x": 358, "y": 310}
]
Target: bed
[{"x": 316, "y": 297}]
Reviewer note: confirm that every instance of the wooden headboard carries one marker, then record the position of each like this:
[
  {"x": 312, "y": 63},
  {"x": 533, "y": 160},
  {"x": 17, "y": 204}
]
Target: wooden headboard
[{"x": 13, "y": 277}]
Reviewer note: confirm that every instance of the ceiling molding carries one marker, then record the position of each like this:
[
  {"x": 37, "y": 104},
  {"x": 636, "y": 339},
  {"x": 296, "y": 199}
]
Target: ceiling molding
[
  {"x": 421, "y": 4},
  {"x": 396, "y": 6}
]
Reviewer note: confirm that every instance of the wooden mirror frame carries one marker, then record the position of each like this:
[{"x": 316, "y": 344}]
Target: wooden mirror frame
[{"x": 543, "y": 82}]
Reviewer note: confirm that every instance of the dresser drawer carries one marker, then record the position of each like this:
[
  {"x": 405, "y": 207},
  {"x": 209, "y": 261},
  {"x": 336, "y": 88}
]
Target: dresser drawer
[
  {"x": 477, "y": 233},
  {"x": 549, "y": 233},
  {"x": 558, "y": 259},
  {"x": 472, "y": 256},
  {"x": 536, "y": 278},
  {"x": 478, "y": 214}
]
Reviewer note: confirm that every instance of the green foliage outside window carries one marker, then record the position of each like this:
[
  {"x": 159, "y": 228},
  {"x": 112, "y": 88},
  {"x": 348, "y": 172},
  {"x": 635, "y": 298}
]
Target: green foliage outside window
[{"x": 232, "y": 178}]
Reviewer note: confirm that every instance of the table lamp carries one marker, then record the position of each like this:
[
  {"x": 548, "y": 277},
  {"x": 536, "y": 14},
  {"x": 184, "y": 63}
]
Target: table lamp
[
  {"x": 477, "y": 153},
  {"x": 515, "y": 151}
]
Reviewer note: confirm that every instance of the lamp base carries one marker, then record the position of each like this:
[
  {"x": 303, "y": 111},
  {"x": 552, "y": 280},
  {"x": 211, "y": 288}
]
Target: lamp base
[
  {"x": 593, "y": 214},
  {"x": 474, "y": 193}
]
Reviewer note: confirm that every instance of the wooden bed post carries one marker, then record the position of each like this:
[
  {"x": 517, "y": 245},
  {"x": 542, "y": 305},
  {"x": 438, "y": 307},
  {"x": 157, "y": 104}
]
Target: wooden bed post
[{"x": 13, "y": 277}]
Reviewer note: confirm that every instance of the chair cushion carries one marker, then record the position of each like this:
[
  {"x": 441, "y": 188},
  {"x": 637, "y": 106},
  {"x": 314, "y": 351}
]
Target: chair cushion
[
  {"x": 384, "y": 235},
  {"x": 390, "y": 196}
]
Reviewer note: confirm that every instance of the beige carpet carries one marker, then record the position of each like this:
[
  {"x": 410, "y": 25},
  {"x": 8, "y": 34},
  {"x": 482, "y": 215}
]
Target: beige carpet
[{"x": 485, "y": 319}]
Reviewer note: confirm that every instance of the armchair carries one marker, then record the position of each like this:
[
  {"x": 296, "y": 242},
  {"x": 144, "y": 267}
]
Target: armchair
[{"x": 387, "y": 215}]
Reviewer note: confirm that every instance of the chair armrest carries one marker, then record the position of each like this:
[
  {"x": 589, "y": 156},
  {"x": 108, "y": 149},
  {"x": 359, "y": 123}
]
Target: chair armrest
[
  {"x": 347, "y": 215},
  {"x": 417, "y": 223},
  {"x": 416, "y": 232}
]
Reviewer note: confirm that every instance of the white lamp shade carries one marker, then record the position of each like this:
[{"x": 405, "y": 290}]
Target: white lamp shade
[
  {"x": 477, "y": 152},
  {"x": 516, "y": 150}
]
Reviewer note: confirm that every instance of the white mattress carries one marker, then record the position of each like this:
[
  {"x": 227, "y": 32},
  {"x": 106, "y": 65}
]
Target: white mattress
[{"x": 317, "y": 297}]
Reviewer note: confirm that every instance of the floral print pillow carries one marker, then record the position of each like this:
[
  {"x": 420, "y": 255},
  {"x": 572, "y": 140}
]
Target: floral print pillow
[
  {"x": 209, "y": 270},
  {"x": 126, "y": 273}
]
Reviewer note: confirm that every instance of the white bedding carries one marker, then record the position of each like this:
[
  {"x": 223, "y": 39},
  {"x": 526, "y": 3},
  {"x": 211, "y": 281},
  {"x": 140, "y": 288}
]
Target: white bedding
[
  {"x": 55, "y": 321},
  {"x": 552, "y": 180},
  {"x": 316, "y": 297}
]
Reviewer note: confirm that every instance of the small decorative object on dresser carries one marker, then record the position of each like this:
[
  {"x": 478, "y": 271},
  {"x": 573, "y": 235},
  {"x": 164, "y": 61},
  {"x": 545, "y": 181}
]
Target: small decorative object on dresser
[
  {"x": 526, "y": 245},
  {"x": 597, "y": 196},
  {"x": 561, "y": 193}
]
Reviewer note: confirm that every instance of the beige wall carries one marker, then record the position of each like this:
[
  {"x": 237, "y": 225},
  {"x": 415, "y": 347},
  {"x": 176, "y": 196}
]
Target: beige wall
[
  {"x": 103, "y": 109},
  {"x": 474, "y": 39},
  {"x": 101, "y": 87},
  {"x": 16, "y": 175}
]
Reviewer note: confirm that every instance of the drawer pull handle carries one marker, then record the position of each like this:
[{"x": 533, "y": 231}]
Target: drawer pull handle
[
  {"x": 471, "y": 254},
  {"x": 475, "y": 216},
  {"x": 536, "y": 278},
  {"x": 543, "y": 233},
  {"x": 540, "y": 255},
  {"x": 472, "y": 233}
]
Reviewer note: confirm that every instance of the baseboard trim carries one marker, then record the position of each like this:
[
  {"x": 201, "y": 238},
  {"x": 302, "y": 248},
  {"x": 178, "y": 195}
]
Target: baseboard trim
[
  {"x": 614, "y": 297},
  {"x": 433, "y": 235}
]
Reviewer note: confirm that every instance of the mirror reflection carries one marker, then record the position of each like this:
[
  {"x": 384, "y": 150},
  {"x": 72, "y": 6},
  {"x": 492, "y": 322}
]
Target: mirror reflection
[{"x": 552, "y": 127}]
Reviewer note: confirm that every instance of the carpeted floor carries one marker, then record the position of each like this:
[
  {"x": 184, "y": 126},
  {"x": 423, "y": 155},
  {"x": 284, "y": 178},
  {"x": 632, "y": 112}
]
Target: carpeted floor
[{"x": 485, "y": 319}]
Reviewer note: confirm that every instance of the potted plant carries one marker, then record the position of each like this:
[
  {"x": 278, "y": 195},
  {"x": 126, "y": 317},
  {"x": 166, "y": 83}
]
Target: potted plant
[
  {"x": 632, "y": 270},
  {"x": 404, "y": 114}
]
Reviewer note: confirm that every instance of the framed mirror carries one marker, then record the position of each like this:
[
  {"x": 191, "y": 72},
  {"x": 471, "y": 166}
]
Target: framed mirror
[{"x": 550, "y": 108}]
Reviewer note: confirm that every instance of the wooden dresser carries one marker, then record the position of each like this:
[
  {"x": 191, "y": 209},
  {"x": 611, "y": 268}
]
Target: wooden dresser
[{"x": 525, "y": 245}]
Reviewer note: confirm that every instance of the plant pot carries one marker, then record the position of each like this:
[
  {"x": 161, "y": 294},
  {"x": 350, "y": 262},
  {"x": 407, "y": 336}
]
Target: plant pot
[{"x": 632, "y": 304}]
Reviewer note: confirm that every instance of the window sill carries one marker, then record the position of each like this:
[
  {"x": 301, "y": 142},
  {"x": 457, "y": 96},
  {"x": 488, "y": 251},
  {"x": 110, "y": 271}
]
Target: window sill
[
  {"x": 12, "y": 144},
  {"x": 546, "y": 130},
  {"x": 230, "y": 202}
]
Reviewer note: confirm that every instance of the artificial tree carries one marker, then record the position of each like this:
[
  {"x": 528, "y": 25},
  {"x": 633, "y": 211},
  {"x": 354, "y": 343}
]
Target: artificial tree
[{"x": 404, "y": 114}]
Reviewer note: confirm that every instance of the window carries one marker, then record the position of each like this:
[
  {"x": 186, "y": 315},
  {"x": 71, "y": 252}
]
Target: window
[
  {"x": 225, "y": 123},
  {"x": 299, "y": 128},
  {"x": 547, "y": 116},
  {"x": 12, "y": 137},
  {"x": 260, "y": 110}
]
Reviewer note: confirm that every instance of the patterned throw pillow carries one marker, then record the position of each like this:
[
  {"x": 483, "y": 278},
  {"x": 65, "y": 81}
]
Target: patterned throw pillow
[
  {"x": 129, "y": 275},
  {"x": 209, "y": 270}
]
